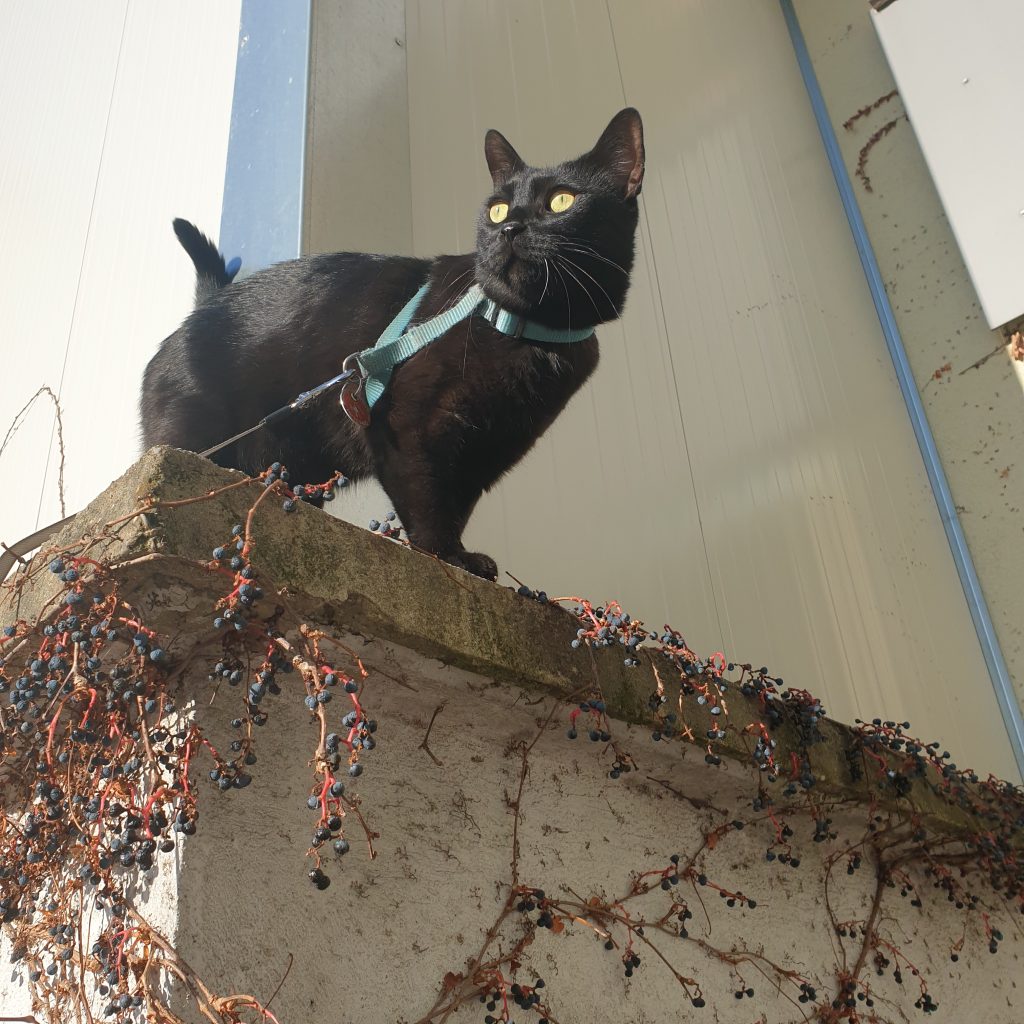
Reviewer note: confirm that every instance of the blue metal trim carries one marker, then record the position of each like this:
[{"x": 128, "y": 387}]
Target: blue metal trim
[
  {"x": 264, "y": 179},
  {"x": 1001, "y": 682}
]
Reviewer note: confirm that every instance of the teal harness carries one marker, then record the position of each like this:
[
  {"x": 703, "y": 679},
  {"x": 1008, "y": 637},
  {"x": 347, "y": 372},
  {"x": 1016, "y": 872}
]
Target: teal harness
[{"x": 397, "y": 343}]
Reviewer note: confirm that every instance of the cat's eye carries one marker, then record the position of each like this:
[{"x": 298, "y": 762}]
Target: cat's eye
[
  {"x": 561, "y": 201},
  {"x": 498, "y": 212}
]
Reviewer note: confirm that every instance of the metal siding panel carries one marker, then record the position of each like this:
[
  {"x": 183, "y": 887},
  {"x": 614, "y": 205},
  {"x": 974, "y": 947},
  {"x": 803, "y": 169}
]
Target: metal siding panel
[
  {"x": 121, "y": 153},
  {"x": 540, "y": 73},
  {"x": 358, "y": 197},
  {"x": 57, "y": 67},
  {"x": 827, "y": 466},
  {"x": 742, "y": 464}
]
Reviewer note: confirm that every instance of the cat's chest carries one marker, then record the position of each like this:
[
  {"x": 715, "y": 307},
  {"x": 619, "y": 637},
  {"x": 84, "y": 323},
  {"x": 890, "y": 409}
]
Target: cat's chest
[
  {"x": 476, "y": 382},
  {"x": 497, "y": 364},
  {"x": 513, "y": 387}
]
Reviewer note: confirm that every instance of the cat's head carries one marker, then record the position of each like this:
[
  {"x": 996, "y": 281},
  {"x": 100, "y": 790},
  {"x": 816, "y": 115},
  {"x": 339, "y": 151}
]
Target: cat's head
[{"x": 556, "y": 243}]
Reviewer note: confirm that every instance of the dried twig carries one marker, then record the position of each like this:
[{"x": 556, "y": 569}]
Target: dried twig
[
  {"x": 424, "y": 745},
  {"x": 16, "y": 424}
]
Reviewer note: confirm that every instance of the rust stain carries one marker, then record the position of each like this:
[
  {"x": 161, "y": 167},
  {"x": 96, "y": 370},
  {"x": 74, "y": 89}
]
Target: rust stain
[{"x": 864, "y": 111}]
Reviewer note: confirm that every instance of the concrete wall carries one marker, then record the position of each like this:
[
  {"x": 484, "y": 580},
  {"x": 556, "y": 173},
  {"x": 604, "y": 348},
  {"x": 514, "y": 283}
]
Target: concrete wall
[
  {"x": 473, "y": 787},
  {"x": 114, "y": 121},
  {"x": 971, "y": 388}
]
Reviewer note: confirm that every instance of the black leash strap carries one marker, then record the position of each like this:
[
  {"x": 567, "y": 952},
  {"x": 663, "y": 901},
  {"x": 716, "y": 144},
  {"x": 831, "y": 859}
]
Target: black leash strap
[
  {"x": 279, "y": 414},
  {"x": 15, "y": 552}
]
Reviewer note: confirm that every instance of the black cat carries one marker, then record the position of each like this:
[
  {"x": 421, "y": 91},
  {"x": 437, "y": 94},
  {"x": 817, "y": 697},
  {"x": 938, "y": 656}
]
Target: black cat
[{"x": 554, "y": 245}]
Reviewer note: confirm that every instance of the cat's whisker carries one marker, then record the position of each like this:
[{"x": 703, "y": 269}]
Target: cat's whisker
[
  {"x": 587, "y": 250},
  {"x": 594, "y": 279},
  {"x": 547, "y": 275},
  {"x": 455, "y": 286},
  {"x": 583, "y": 287},
  {"x": 578, "y": 245},
  {"x": 568, "y": 299}
]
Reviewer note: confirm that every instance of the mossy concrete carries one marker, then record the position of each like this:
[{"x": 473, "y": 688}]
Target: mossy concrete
[{"x": 149, "y": 527}]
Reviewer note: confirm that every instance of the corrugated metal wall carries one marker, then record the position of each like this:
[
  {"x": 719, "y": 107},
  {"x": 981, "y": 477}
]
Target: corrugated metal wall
[
  {"x": 114, "y": 120},
  {"x": 742, "y": 466}
]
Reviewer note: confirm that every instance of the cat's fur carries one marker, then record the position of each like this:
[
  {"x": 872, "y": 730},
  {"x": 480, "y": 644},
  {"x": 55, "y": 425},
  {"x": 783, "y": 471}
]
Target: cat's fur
[{"x": 458, "y": 414}]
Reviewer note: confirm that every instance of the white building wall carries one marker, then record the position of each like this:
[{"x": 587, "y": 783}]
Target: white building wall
[
  {"x": 956, "y": 68},
  {"x": 114, "y": 120}
]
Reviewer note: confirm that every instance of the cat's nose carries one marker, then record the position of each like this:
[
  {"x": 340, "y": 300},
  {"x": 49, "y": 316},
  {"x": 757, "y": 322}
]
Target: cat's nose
[{"x": 510, "y": 229}]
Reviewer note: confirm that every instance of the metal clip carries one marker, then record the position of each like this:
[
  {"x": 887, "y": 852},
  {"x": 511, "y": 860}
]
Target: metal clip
[
  {"x": 356, "y": 370},
  {"x": 353, "y": 396}
]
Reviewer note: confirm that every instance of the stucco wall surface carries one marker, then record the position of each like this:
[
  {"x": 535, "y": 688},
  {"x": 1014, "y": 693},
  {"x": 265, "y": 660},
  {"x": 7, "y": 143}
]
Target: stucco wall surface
[{"x": 970, "y": 386}]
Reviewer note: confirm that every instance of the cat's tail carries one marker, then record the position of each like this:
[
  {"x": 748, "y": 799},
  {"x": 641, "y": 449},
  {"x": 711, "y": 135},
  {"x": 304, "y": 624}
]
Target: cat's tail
[{"x": 212, "y": 273}]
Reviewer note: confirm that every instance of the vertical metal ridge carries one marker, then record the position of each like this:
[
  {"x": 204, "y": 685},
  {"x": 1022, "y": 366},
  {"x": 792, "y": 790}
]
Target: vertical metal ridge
[
  {"x": 264, "y": 177},
  {"x": 999, "y": 675}
]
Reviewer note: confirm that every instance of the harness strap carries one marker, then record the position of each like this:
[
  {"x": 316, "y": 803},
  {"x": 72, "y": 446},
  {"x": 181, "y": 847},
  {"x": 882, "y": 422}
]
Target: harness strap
[{"x": 397, "y": 344}]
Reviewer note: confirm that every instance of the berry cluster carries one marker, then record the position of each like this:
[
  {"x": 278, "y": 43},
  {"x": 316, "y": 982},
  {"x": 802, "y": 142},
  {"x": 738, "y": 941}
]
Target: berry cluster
[
  {"x": 895, "y": 761},
  {"x": 606, "y": 626},
  {"x": 108, "y": 765},
  {"x": 534, "y": 595},
  {"x": 883, "y": 753},
  {"x": 277, "y": 478},
  {"x": 701, "y": 680},
  {"x": 387, "y": 527},
  {"x": 337, "y": 750},
  {"x": 525, "y": 997},
  {"x": 105, "y": 760}
]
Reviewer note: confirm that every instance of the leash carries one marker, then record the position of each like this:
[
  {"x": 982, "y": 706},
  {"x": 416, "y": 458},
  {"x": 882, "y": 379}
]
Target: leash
[
  {"x": 278, "y": 414},
  {"x": 364, "y": 383}
]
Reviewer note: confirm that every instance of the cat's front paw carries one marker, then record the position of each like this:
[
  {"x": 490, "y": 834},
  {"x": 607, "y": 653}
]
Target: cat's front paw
[{"x": 478, "y": 564}]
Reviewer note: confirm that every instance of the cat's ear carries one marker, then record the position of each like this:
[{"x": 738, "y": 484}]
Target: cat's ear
[
  {"x": 620, "y": 150},
  {"x": 502, "y": 160}
]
